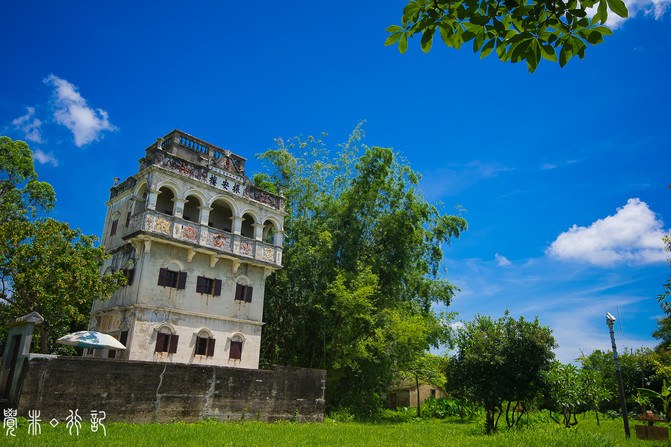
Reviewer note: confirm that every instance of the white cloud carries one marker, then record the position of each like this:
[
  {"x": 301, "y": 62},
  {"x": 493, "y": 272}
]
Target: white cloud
[
  {"x": 547, "y": 166},
  {"x": 654, "y": 8},
  {"x": 72, "y": 111},
  {"x": 44, "y": 158},
  {"x": 29, "y": 125},
  {"x": 501, "y": 260},
  {"x": 633, "y": 234}
]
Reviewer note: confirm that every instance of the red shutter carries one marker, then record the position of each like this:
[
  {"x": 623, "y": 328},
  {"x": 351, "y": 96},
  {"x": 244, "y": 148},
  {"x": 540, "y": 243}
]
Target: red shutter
[
  {"x": 210, "y": 347},
  {"x": 162, "y": 274},
  {"x": 127, "y": 219},
  {"x": 217, "y": 287},
  {"x": 236, "y": 350},
  {"x": 248, "y": 298},
  {"x": 238, "y": 292},
  {"x": 160, "y": 339},
  {"x": 181, "y": 281},
  {"x": 114, "y": 225},
  {"x": 173, "y": 344},
  {"x": 199, "y": 285}
]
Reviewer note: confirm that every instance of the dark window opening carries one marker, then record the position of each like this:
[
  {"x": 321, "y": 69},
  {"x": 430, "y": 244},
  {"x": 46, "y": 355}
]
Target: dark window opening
[
  {"x": 114, "y": 226},
  {"x": 243, "y": 293},
  {"x": 130, "y": 275}
]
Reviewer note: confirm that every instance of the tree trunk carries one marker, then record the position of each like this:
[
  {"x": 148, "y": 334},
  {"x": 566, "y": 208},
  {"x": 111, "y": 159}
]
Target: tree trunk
[
  {"x": 419, "y": 413},
  {"x": 43, "y": 339}
]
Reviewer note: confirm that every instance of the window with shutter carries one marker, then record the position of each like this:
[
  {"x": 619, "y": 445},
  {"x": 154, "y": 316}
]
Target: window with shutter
[
  {"x": 238, "y": 292},
  {"x": 127, "y": 219},
  {"x": 210, "y": 347},
  {"x": 181, "y": 283},
  {"x": 236, "y": 350},
  {"x": 217, "y": 287},
  {"x": 201, "y": 345},
  {"x": 162, "y": 276},
  {"x": 173, "y": 344},
  {"x": 199, "y": 285},
  {"x": 243, "y": 293},
  {"x": 160, "y": 342},
  {"x": 114, "y": 226}
]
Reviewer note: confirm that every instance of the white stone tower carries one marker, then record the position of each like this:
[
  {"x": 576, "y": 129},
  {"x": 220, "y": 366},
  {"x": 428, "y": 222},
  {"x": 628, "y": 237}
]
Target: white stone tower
[{"x": 196, "y": 240}]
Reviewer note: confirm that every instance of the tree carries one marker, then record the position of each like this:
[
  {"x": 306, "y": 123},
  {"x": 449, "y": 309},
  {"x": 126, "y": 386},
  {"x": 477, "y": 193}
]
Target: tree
[
  {"x": 501, "y": 361},
  {"x": 21, "y": 194},
  {"x": 518, "y": 30},
  {"x": 45, "y": 266},
  {"x": 53, "y": 270},
  {"x": 427, "y": 368},
  {"x": 361, "y": 268}
]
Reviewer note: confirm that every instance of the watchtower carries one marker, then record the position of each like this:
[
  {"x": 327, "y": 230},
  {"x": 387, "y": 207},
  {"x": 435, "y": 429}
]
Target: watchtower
[{"x": 196, "y": 240}]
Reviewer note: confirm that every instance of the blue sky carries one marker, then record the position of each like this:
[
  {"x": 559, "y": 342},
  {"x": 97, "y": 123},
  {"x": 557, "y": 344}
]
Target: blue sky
[{"x": 563, "y": 174}]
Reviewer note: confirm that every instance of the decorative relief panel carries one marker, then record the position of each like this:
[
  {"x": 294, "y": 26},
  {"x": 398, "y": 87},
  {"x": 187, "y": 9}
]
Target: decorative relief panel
[
  {"x": 219, "y": 240},
  {"x": 246, "y": 248},
  {"x": 189, "y": 233},
  {"x": 269, "y": 253},
  {"x": 162, "y": 225}
]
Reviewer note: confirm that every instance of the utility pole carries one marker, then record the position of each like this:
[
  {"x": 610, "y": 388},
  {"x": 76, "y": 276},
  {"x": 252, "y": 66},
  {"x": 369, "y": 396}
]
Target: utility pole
[{"x": 610, "y": 320}]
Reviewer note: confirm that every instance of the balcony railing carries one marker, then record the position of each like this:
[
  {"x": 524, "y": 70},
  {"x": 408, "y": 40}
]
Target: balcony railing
[{"x": 165, "y": 226}]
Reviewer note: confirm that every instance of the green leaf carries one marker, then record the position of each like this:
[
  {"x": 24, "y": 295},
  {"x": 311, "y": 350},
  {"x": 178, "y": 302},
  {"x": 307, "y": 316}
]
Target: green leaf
[
  {"x": 594, "y": 37},
  {"x": 392, "y": 39},
  {"x": 618, "y": 7},
  {"x": 480, "y": 20},
  {"x": 467, "y": 35},
  {"x": 501, "y": 50},
  {"x": 603, "y": 11},
  {"x": 427, "y": 39},
  {"x": 479, "y": 40},
  {"x": 565, "y": 54},
  {"x": 446, "y": 34},
  {"x": 603, "y": 30},
  {"x": 548, "y": 52},
  {"x": 533, "y": 56},
  {"x": 488, "y": 48},
  {"x": 394, "y": 29},
  {"x": 403, "y": 43}
]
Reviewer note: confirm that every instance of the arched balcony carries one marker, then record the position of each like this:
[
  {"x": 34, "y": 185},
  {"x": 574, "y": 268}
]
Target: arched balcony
[
  {"x": 247, "y": 227},
  {"x": 220, "y": 216},
  {"x": 165, "y": 202},
  {"x": 191, "y": 211}
]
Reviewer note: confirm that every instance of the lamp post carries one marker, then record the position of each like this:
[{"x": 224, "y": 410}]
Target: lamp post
[{"x": 610, "y": 320}]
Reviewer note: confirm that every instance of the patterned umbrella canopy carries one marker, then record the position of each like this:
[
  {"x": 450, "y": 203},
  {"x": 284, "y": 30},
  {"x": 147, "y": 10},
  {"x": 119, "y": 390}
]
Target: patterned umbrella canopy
[{"x": 90, "y": 339}]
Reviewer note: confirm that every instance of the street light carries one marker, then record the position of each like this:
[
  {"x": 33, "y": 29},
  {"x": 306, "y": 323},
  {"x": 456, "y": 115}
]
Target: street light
[{"x": 610, "y": 320}]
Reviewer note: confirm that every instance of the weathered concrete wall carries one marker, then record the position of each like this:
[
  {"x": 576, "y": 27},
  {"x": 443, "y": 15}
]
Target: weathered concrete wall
[{"x": 144, "y": 391}]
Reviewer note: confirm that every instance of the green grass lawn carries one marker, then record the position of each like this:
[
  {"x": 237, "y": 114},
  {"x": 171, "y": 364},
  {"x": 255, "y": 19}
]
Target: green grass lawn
[{"x": 431, "y": 432}]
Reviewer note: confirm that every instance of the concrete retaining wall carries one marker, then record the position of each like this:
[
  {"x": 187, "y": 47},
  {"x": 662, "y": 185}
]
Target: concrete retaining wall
[{"x": 142, "y": 392}]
